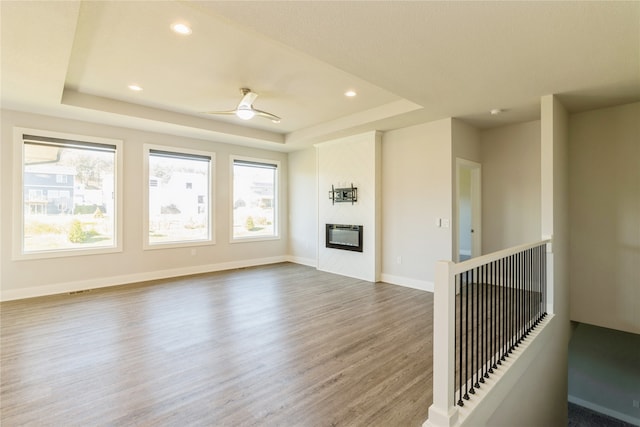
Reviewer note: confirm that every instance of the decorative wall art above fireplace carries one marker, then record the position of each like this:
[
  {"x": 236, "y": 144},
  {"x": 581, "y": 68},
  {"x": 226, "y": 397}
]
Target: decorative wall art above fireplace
[{"x": 341, "y": 195}]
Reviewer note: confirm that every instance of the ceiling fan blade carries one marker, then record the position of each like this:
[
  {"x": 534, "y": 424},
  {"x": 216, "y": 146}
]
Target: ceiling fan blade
[
  {"x": 269, "y": 116},
  {"x": 248, "y": 99},
  {"x": 230, "y": 112}
]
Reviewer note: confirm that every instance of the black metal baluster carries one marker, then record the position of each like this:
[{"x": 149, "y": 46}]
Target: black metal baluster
[
  {"x": 500, "y": 313},
  {"x": 532, "y": 310},
  {"x": 485, "y": 322},
  {"x": 494, "y": 316},
  {"x": 524, "y": 293},
  {"x": 474, "y": 279},
  {"x": 529, "y": 289},
  {"x": 503, "y": 323},
  {"x": 534, "y": 287},
  {"x": 490, "y": 318},
  {"x": 466, "y": 339},
  {"x": 531, "y": 299},
  {"x": 459, "y": 339},
  {"x": 545, "y": 288},
  {"x": 509, "y": 305},
  {"x": 480, "y": 284},
  {"x": 532, "y": 314},
  {"x": 525, "y": 296},
  {"x": 541, "y": 279},
  {"x": 544, "y": 276},
  {"x": 481, "y": 322},
  {"x": 487, "y": 335},
  {"x": 519, "y": 301},
  {"x": 540, "y": 307},
  {"x": 512, "y": 315},
  {"x": 520, "y": 295}
]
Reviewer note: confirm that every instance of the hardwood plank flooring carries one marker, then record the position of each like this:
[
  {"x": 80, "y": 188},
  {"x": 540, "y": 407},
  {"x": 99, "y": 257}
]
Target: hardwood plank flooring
[{"x": 278, "y": 345}]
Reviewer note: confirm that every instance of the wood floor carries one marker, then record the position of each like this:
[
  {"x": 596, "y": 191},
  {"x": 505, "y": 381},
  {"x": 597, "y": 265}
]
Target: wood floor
[{"x": 279, "y": 345}]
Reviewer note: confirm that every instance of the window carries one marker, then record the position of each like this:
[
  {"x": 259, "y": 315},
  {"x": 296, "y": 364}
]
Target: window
[
  {"x": 178, "y": 197},
  {"x": 67, "y": 204},
  {"x": 255, "y": 199}
]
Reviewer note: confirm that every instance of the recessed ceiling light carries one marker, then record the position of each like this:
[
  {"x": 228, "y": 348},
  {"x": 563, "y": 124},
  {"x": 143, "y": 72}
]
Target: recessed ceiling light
[
  {"x": 181, "y": 28},
  {"x": 350, "y": 93},
  {"x": 495, "y": 111},
  {"x": 135, "y": 88}
]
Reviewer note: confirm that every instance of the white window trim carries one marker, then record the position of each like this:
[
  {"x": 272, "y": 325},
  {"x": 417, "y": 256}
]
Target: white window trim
[
  {"x": 276, "y": 215},
  {"x": 18, "y": 209},
  {"x": 211, "y": 240}
]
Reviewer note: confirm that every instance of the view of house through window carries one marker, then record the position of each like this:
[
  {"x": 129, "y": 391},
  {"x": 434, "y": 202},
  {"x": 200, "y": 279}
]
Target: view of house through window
[
  {"x": 179, "y": 194},
  {"x": 254, "y": 199},
  {"x": 68, "y": 194}
]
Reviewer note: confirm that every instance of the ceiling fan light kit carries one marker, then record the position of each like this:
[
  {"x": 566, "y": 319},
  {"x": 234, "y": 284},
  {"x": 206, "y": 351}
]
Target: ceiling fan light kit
[
  {"x": 245, "y": 113},
  {"x": 245, "y": 110}
]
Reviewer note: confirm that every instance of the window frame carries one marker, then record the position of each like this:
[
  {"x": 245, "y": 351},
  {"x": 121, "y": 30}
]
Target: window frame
[
  {"x": 18, "y": 222},
  {"x": 276, "y": 196},
  {"x": 211, "y": 240}
]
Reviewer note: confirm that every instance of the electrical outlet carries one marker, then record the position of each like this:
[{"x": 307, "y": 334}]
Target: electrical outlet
[
  {"x": 399, "y": 259},
  {"x": 193, "y": 252},
  {"x": 636, "y": 403}
]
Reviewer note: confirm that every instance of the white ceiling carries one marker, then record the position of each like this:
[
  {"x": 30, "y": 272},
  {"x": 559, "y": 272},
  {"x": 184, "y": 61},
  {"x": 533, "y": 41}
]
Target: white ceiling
[{"x": 410, "y": 62}]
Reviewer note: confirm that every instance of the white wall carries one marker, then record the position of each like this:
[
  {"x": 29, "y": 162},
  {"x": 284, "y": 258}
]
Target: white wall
[
  {"x": 466, "y": 142},
  {"x": 416, "y": 190},
  {"x": 45, "y": 276},
  {"x": 510, "y": 185},
  {"x": 303, "y": 207},
  {"x": 605, "y": 217},
  {"x": 341, "y": 163}
]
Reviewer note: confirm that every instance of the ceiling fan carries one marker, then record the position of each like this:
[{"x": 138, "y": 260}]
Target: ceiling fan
[{"x": 245, "y": 110}]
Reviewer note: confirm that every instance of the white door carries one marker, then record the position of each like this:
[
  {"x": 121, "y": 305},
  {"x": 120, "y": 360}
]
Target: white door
[{"x": 468, "y": 243}]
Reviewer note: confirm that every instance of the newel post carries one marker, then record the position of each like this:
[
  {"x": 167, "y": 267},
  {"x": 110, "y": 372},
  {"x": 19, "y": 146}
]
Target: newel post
[
  {"x": 443, "y": 411},
  {"x": 550, "y": 268}
]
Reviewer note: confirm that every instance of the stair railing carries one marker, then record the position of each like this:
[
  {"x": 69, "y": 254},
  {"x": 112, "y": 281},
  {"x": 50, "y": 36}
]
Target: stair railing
[{"x": 483, "y": 309}]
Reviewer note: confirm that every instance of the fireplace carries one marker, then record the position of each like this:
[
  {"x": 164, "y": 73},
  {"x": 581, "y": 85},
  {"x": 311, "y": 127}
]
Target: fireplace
[{"x": 347, "y": 237}]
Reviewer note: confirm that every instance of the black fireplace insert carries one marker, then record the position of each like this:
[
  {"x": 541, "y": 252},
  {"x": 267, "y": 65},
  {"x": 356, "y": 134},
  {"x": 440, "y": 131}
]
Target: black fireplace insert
[{"x": 347, "y": 237}]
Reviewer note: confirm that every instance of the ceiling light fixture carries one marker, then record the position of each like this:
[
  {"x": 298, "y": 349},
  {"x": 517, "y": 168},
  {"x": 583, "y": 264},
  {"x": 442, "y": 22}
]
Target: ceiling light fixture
[
  {"x": 245, "y": 113},
  {"x": 179, "y": 28},
  {"x": 350, "y": 93},
  {"x": 495, "y": 111},
  {"x": 135, "y": 88}
]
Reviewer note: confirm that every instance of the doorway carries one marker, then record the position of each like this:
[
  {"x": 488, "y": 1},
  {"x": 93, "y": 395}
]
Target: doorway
[{"x": 469, "y": 210}]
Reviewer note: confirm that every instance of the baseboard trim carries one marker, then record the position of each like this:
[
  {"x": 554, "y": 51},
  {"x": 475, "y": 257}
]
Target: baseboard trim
[
  {"x": 606, "y": 411},
  {"x": 302, "y": 261},
  {"x": 407, "y": 282},
  {"x": 104, "y": 282}
]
